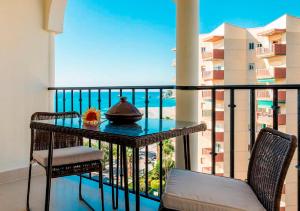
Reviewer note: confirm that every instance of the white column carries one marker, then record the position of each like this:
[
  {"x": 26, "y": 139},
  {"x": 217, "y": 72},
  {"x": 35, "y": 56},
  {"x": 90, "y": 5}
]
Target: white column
[{"x": 187, "y": 62}]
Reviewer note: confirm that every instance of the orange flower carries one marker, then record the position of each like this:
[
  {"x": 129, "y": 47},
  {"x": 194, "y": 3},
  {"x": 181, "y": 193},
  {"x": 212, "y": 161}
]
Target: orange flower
[{"x": 91, "y": 117}]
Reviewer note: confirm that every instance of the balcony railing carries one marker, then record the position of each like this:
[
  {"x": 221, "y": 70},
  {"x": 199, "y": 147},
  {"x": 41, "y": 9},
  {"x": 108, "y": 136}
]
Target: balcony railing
[
  {"x": 273, "y": 50},
  {"x": 271, "y": 73},
  {"x": 213, "y": 75},
  {"x": 214, "y": 54},
  {"x": 81, "y": 98}
]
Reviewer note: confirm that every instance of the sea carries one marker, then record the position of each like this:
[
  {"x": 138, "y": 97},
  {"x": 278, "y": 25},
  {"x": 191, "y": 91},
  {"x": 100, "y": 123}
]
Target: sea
[{"x": 140, "y": 98}]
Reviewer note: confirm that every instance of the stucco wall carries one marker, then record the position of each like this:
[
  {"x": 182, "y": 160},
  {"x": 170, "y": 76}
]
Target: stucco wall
[
  {"x": 292, "y": 77},
  {"x": 25, "y": 56},
  {"x": 236, "y": 72}
]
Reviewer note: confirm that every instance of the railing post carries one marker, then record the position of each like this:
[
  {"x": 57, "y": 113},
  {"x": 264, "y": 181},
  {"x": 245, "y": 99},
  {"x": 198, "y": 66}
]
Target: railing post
[
  {"x": 232, "y": 107},
  {"x": 99, "y": 99},
  {"x": 56, "y": 100},
  {"x": 133, "y": 96},
  {"x": 109, "y": 97},
  {"x": 213, "y": 131},
  {"x": 146, "y": 103},
  {"x": 160, "y": 144},
  {"x": 160, "y": 103},
  {"x": 90, "y": 98},
  {"x": 146, "y": 148},
  {"x": 72, "y": 100},
  {"x": 275, "y": 109},
  {"x": 64, "y": 100},
  {"x": 80, "y": 101},
  {"x": 252, "y": 118}
]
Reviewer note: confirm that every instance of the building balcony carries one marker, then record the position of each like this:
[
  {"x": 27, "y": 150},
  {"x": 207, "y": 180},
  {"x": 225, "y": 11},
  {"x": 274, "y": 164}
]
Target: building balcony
[
  {"x": 267, "y": 119},
  {"x": 220, "y": 157},
  {"x": 215, "y": 54},
  {"x": 206, "y": 95},
  {"x": 213, "y": 75},
  {"x": 212, "y": 38},
  {"x": 206, "y": 151},
  {"x": 276, "y": 73},
  {"x": 219, "y": 115},
  {"x": 274, "y": 50},
  {"x": 271, "y": 32},
  {"x": 219, "y": 136},
  {"x": 267, "y": 95}
]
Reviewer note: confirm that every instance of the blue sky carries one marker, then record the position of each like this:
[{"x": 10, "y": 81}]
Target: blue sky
[{"x": 129, "y": 42}]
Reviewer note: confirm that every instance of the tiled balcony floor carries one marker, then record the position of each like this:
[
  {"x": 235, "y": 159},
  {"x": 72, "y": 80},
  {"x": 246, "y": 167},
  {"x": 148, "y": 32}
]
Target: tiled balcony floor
[{"x": 64, "y": 196}]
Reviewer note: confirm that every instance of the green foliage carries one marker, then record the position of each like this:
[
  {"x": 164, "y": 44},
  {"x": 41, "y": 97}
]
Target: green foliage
[{"x": 154, "y": 184}]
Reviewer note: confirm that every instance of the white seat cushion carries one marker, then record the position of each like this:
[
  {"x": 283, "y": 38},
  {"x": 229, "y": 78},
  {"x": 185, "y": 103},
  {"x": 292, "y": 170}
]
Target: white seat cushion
[
  {"x": 187, "y": 190},
  {"x": 69, "y": 155}
]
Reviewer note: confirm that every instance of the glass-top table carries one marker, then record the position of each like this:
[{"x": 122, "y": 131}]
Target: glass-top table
[{"x": 141, "y": 134}]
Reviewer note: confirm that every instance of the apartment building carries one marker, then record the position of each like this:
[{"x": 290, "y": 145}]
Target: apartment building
[{"x": 234, "y": 55}]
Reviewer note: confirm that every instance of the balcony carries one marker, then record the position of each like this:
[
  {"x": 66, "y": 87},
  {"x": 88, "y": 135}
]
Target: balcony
[
  {"x": 206, "y": 151},
  {"x": 219, "y": 156},
  {"x": 219, "y": 115},
  {"x": 28, "y": 59},
  {"x": 212, "y": 38},
  {"x": 267, "y": 95},
  {"x": 80, "y": 98},
  {"x": 274, "y": 50},
  {"x": 219, "y": 136},
  {"x": 277, "y": 73},
  {"x": 272, "y": 32},
  {"x": 267, "y": 119},
  {"x": 213, "y": 75},
  {"x": 215, "y": 54},
  {"x": 206, "y": 95}
]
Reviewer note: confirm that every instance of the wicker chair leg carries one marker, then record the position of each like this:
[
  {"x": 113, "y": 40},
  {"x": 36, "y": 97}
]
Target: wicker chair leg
[
  {"x": 80, "y": 184},
  {"x": 28, "y": 188},
  {"x": 80, "y": 194},
  {"x": 48, "y": 192},
  {"x": 101, "y": 186}
]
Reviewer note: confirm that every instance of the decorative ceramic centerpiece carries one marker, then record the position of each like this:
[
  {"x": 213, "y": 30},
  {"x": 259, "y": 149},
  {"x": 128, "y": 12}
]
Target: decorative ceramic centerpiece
[
  {"x": 123, "y": 112},
  {"x": 91, "y": 117}
]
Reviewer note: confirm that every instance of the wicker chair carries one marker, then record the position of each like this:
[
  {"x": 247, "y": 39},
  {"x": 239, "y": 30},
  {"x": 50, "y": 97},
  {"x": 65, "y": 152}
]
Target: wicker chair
[
  {"x": 269, "y": 163},
  {"x": 70, "y": 157}
]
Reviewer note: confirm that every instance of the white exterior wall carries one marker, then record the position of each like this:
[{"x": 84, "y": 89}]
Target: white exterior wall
[
  {"x": 293, "y": 77},
  {"x": 235, "y": 66},
  {"x": 25, "y": 63}
]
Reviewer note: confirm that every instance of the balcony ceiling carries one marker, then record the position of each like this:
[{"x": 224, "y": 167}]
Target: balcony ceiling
[{"x": 271, "y": 32}]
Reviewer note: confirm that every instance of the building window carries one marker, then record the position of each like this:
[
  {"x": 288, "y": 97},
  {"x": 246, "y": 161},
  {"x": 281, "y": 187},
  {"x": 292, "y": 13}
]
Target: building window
[
  {"x": 259, "y": 45},
  {"x": 251, "y": 46},
  {"x": 251, "y": 66},
  {"x": 203, "y": 49}
]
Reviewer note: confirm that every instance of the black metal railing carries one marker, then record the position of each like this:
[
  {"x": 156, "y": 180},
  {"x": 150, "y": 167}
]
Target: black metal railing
[
  {"x": 61, "y": 94},
  {"x": 81, "y": 98}
]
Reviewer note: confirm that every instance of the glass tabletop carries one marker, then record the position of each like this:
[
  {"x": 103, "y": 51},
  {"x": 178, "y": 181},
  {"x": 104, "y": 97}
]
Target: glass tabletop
[{"x": 143, "y": 127}]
